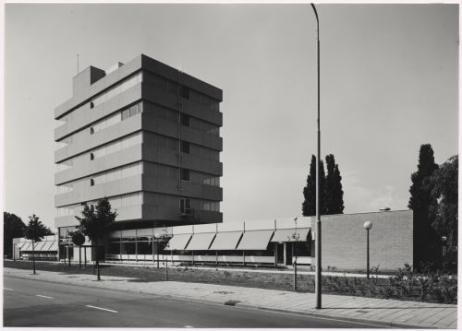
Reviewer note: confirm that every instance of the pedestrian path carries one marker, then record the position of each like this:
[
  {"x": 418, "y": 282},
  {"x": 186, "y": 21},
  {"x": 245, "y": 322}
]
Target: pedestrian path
[{"x": 368, "y": 310}]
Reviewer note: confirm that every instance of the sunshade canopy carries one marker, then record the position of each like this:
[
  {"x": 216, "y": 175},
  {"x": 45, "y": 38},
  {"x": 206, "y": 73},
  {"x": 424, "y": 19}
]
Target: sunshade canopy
[
  {"x": 226, "y": 241},
  {"x": 290, "y": 235},
  {"x": 39, "y": 245},
  {"x": 178, "y": 242},
  {"x": 54, "y": 246},
  {"x": 255, "y": 240},
  {"x": 200, "y": 241},
  {"x": 47, "y": 245},
  {"x": 26, "y": 247}
]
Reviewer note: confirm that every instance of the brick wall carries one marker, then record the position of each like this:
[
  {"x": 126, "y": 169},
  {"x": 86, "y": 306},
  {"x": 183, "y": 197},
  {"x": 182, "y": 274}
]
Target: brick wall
[{"x": 344, "y": 240}]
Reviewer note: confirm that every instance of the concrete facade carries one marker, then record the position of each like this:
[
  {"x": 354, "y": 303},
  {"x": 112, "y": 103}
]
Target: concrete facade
[{"x": 146, "y": 136}]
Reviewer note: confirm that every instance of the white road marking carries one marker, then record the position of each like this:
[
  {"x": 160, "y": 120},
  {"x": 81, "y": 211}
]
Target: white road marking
[
  {"x": 105, "y": 309},
  {"x": 44, "y": 296},
  {"x": 8, "y": 289},
  {"x": 188, "y": 326}
]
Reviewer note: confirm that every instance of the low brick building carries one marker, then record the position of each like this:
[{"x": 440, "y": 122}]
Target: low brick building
[
  {"x": 277, "y": 242},
  {"x": 344, "y": 240}
]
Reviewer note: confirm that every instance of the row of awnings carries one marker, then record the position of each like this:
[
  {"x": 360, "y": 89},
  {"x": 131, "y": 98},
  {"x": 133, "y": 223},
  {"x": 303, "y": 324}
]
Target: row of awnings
[
  {"x": 237, "y": 240},
  {"x": 41, "y": 246}
]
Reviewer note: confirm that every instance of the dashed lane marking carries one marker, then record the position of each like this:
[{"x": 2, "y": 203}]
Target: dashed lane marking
[
  {"x": 44, "y": 296},
  {"x": 105, "y": 309},
  {"x": 8, "y": 289}
]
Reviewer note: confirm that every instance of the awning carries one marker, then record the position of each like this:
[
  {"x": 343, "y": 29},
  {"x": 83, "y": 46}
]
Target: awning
[
  {"x": 26, "y": 246},
  {"x": 54, "y": 246},
  {"x": 21, "y": 244},
  {"x": 200, "y": 241},
  {"x": 39, "y": 246},
  {"x": 48, "y": 245},
  {"x": 290, "y": 235},
  {"x": 255, "y": 240},
  {"x": 178, "y": 242},
  {"x": 226, "y": 241}
]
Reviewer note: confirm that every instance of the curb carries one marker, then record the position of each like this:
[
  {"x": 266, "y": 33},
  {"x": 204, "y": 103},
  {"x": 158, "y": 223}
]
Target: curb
[{"x": 339, "y": 318}]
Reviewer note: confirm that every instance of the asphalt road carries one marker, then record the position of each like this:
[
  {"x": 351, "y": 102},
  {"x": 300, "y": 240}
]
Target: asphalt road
[{"x": 31, "y": 303}]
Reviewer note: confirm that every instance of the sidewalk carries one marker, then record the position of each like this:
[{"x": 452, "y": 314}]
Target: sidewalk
[{"x": 374, "y": 311}]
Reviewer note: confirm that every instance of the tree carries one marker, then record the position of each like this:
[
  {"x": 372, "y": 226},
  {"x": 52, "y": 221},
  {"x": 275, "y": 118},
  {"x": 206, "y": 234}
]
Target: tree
[
  {"x": 13, "y": 227},
  {"x": 333, "y": 188},
  {"x": 35, "y": 231},
  {"x": 443, "y": 187},
  {"x": 97, "y": 223},
  {"x": 309, "y": 191},
  {"x": 425, "y": 237}
]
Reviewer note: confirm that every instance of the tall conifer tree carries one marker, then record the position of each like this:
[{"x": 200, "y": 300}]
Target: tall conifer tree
[
  {"x": 309, "y": 192},
  {"x": 333, "y": 188},
  {"x": 427, "y": 244}
]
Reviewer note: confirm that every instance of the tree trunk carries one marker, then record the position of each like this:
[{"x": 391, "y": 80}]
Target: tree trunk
[
  {"x": 97, "y": 261},
  {"x": 33, "y": 255}
]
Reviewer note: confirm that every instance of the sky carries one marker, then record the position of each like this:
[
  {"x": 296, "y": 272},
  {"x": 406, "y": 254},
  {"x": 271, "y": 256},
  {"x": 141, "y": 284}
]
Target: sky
[{"x": 389, "y": 83}]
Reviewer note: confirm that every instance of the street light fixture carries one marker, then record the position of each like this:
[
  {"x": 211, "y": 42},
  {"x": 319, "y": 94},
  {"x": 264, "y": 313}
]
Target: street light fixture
[
  {"x": 367, "y": 225},
  {"x": 318, "y": 276}
]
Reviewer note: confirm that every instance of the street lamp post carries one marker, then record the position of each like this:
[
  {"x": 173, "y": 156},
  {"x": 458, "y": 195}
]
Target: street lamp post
[
  {"x": 157, "y": 248},
  {"x": 318, "y": 277},
  {"x": 367, "y": 225}
]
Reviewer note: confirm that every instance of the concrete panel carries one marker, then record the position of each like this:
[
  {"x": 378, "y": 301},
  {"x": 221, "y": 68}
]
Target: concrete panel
[
  {"x": 171, "y": 73},
  {"x": 170, "y": 186},
  {"x": 130, "y": 213},
  {"x": 169, "y": 129},
  {"x": 126, "y": 70},
  {"x": 85, "y": 192},
  {"x": 205, "y": 228},
  {"x": 199, "y": 164},
  {"x": 157, "y": 96},
  {"x": 85, "y": 166},
  {"x": 123, "y": 214},
  {"x": 130, "y": 125},
  {"x": 84, "y": 79},
  {"x": 85, "y": 115},
  {"x": 159, "y": 126},
  {"x": 202, "y": 139},
  {"x": 234, "y": 225},
  {"x": 64, "y": 221}
]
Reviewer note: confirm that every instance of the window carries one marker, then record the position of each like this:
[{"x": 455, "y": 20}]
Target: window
[
  {"x": 185, "y": 92},
  {"x": 185, "y": 206},
  {"x": 184, "y": 120},
  {"x": 125, "y": 114},
  {"x": 92, "y": 156},
  {"x": 92, "y": 182},
  {"x": 185, "y": 175},
  {"x": 185, "y": 147},
  {"x": 92, "y": 105},
  {"x": 92, "y": 130}
]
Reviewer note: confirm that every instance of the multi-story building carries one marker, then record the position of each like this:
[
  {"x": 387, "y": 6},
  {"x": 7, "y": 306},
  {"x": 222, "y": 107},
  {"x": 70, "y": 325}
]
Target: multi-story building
[{"x": 147, "y": 137}]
